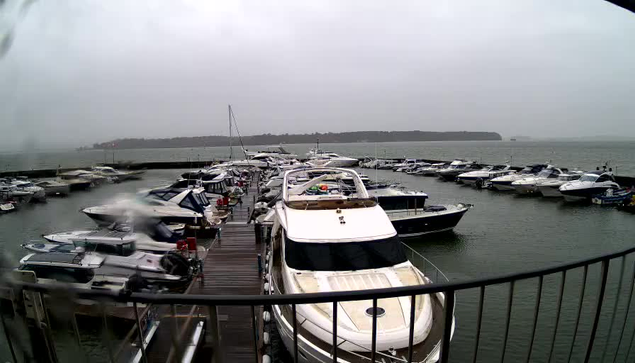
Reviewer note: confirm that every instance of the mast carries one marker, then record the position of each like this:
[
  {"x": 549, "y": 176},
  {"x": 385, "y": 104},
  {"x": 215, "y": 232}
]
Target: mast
[{"x": 231, "y": 149}]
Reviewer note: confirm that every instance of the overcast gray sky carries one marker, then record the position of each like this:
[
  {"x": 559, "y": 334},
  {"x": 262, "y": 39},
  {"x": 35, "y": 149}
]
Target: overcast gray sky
[{"x": 85, "y": 71}]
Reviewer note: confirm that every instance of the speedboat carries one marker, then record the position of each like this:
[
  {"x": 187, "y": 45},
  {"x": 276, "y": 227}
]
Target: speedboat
[
  {"x": 457, "y": 167},
  {"x": 325, "y": 241},
  {"x": 414, "y": 169},
  {"x": 411, "y": 217},
  {"x": 271, "y": 151},
  {"x": 504, "y": 183},
  {"x": 81, "y": 179},
  {"x": 117, "y": 175},
  {"x": 52, "y": 187},
  {"x": 331, "y": 160},
  {"x": 9, "y": 192},
  {"x": 482, "y": 176},
  {"x": 121, "y": 257},
  {"x": 189, "y": 207},
  {"x": 613, "y": 197},
  {"x": 432, "y": 170},
  {"x": 589, "y": 184},
  {"x": 148, "y": 235},
  {"x": 550, "y": 188},
  {"x": 77, "y": 270},
  {"x": 23, "y": 184},
  {"x": 529, "y": 185},
  {"x": 404, "y": 164}
]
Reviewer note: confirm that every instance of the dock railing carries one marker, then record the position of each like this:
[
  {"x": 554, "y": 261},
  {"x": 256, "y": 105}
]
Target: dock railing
[{"x": 606, "y": 303}]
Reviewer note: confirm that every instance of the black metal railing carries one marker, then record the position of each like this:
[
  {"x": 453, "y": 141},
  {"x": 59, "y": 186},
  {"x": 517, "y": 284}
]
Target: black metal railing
[{"x": 598, "y": 296}]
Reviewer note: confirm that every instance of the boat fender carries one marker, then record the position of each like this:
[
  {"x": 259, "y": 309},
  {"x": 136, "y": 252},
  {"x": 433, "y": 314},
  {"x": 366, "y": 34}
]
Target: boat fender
[
  {"x": 266, "y": 287},
  {"x": 266, "y": 316},
  {"x": 267, "y": 277},
  {"x": 265, "y": 338},
  {"x": 266, "y": 358}
]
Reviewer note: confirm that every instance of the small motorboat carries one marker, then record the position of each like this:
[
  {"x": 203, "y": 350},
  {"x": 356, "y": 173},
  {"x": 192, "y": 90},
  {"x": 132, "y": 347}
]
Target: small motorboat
[
  {"x": 25, "y": 185},
  {"x": 432, "y": 170},
  {"x": 613, "y": 197},
  {"x": 80, "y": 179},
  {"x": 411, "y": 217},
  {"x": 590, "y": 184},
  {"x": 7, "y": 207}
]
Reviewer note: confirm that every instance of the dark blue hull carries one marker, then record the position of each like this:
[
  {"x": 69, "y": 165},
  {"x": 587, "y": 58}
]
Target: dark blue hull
[{"x": 427, "y": 222}]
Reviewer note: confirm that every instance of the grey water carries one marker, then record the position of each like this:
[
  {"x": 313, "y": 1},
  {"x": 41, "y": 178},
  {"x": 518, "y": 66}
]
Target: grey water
[
  {"x": 503, "y": 233},
  {"x": 585, "y": 155}
]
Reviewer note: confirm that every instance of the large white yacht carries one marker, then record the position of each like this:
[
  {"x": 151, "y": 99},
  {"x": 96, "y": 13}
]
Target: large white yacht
[
  {"x": 117, "y": 175},
  {"x": 326, "y": 241}
]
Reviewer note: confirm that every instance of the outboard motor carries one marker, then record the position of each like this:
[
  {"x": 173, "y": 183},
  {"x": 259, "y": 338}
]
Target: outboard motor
[{"x": 175, "y": 264}]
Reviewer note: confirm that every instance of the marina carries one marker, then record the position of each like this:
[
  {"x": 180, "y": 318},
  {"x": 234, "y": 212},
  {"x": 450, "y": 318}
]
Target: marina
[{"x": 233, "y": 265}]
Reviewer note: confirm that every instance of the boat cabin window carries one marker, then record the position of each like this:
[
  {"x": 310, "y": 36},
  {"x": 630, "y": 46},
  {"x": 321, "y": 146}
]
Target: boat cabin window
[
  {"x": 162, "y": 233},
  {"x": 401, "y": 202},
  {"x": 603, "y": 178},
  {"x": 216, "y": 188},
  {"x": 61, "y": 274},
  {"x": 189, "y": 202},
  {"x": 344, "y": 256},
  {"x": 589, "y": 178},
  {"x": 124, "y": 249},
  {"x": 184, "y": 184}
]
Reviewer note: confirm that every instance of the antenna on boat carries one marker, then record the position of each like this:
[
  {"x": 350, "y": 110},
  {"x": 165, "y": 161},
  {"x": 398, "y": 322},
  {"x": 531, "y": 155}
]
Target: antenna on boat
[{"x": 229, "y": 115}]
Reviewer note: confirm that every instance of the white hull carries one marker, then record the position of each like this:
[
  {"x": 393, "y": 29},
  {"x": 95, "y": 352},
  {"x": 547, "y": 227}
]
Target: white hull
[
  {"x": 550, "y": 192},
  {"x": 525, "y": 189},
  {"x": 502, "y": 187}
]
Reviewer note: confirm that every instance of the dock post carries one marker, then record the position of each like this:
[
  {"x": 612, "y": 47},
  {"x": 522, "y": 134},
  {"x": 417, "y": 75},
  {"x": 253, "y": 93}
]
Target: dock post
[{"x": 214, "y": 333}]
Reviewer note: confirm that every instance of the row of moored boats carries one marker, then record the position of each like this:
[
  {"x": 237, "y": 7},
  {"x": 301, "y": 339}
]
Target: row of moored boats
[
  {"x": 547, "y": 180},
  {"x": 15, "y": 191}
]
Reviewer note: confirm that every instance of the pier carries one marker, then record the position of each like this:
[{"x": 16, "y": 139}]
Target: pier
[{"x": 230, "y": 267}]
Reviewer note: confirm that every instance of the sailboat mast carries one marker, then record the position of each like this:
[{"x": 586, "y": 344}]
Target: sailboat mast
[{"x": 231, "y": 149}]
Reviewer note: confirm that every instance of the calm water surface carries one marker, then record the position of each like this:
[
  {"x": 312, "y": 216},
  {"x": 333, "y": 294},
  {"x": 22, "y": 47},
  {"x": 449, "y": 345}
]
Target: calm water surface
[
  {"x": 503, "y": 233},
  {"x": 584, "y": 155}
]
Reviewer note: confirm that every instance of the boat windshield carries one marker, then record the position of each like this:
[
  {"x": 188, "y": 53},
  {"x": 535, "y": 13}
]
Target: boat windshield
[
  {"x": 589, "y": 178},
  {"x": 344, "y": 256},
  {"x": 547, "y": 174}
]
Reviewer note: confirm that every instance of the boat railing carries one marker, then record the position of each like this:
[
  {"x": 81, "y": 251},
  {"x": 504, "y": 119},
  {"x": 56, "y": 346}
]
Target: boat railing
[
  {"x": 575, "y": 311},
  {"x": 424, "y": 265}
]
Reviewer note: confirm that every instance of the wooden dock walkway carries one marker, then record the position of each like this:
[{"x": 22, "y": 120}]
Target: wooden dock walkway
[{"x": 229, "y": 268}]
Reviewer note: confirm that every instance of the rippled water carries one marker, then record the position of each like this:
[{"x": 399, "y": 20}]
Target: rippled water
[
  {"x": 585, "y": 155},
  {"x": 502, "y": 234}
]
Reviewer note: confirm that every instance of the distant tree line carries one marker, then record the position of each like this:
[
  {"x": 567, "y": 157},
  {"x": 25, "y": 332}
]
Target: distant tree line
[{"x": 329, "y": 137}]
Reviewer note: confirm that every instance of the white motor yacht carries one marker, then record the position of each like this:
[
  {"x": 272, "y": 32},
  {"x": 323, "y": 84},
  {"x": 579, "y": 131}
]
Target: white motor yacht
[
  {"x": 117, "y": 175},
  {"x": 325, "y": 241},
  {"x": 332, "y": 160},
  {"x": 23, "y": 184},
  {"x": 529, "y": 185},
  {"x": 504, "y": 183},
  {"x": 404, "y": 164},
  {"x": 457, "y": 167},
  {"x": 189, "y": 206},
  {"x": 432, "y": 170},
  {"x": 550, "y": 188},
  {"x": 277, "y": 151},
  {"x": 52, "y": 187},
  {"x": 590, "y": 184},
  {"x": 482, "y": 176},
  {"x": 9, "y": 192}
]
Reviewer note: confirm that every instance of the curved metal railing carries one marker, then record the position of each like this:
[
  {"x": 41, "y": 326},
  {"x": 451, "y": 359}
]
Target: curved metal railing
[{"x": 448, "y": 289}]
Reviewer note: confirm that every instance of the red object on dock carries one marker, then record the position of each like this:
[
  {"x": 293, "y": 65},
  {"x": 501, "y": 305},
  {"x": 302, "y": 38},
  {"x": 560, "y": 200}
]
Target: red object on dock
[
  {"x": 181, "y": 245},
  {"x": 191, "y": 243}
]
